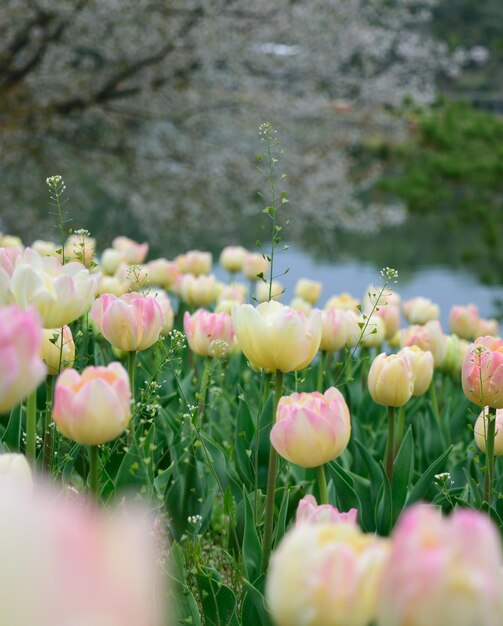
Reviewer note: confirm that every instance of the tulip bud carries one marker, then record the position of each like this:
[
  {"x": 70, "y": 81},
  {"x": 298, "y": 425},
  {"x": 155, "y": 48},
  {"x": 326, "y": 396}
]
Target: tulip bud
[
  {"x": 311, "y": 428},
  {"x": 232, "y": 258},
  {"x": 463, "y": 321},
  {"x": 420, "y": 310},
  {"x": 309, "y": 511},
  {"x": 198, "y": 291},
  {"x": 93, "y": 407},
  {"x": 111, "y": 260},
  {"x": 195, "y": 262},
  {"x": 262, "y": 291},
  {"x": 373, "y": 330},
  {"x": 133, "y": 253},
  {"x": 391, "y": 380},
  {"x": 390, "y": 315},
  {"x": 480, "y": 431},
  {"x": 309, "y": 290},
  {"x": 343, "y": 301},
  {"x": 339, "y": 329},
  {"x": 422, "y": 368},
  {"x": 482, "y": 374},
  {"x": 55, "y": 357},
  {"x": 253, "y": 265},
  {"x": 204, "y": 328},
  {"x": 428, "y": 337},
  {"x": 275, "y": 337},
  {"x": 162, "y": 273}
]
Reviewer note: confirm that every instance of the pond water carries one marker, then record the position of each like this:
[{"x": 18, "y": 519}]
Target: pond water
[{"x": 445, "y": 286}]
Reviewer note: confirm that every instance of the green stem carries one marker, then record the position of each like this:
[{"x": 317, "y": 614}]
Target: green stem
[
  {"x": 322, "y": 484},
  {"x": 201, "y": 405},
  {"x": 400, "y": 427},
  {"x": 271, "y": 483},
  {"x": 93, "y": 477},
  {"x": 31, "y": 426},
  {"x": 436, "y": 412},
  {"x": 47, "y": 424},
  {"x": 490, "y": 434},
  {"x": 262, "y": 402},
  {"x": 321, "y": 367},
  {"x": 131, "y": 367},
  {"x": 390, "y": 449}
]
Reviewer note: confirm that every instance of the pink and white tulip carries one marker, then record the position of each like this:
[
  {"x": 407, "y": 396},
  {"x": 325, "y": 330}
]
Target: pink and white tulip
[
  {"x": 204, "y": 328},
  {"x": 308, "y": 511},
  {"x": 482, "y": 373}
]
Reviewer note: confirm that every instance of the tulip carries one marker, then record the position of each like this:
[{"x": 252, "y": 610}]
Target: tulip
[
  {"x": 70, "y": 564},
  {"x": 311, "y": 428},
  {"x": 454, "y": 355},
  {"x": 8, "y": 258},
  {"x": 253, "y": 265},
  {"x": 15, "y": 472},
  {"x": 343, "y": 301},
  {"x": 309, "y": 290},
  {"x": 390, "y": 315},
  {"x": 60, "y": 293},
  {"x": 55, "y": 357},
  {"x": 262, "y": 291},
  {"x": 133, "y": 252},
  {"x": 168, "y": 317},
  {"x": 110, "y": 260},
  {"x": 22, "y": 368},
  {"x": 10, "y": 241},
  {"x": 487, "y": 328},
  {"x": 203, "y": 329},
  {"x": 481, "y": 429},
  {"x": 420, "y": 310},
  {"x": 234, "y": 291},
  {"x": 422, "y": 368},
  {"x": 225, "y": 306},
  {"x": 309, "y": 511},
  {"x": 195, "y": 262},
  {"x": 45, "y": 248},
  {"x": 198, "y": 291},
  {"x": 391, "y": 380},
  {"x": 131, "y": 322},
  {"x": 275, "y": 337},
  {"x": 463, "y": 321},
  {"x": 93, "y": 407},
  {"x": 162, "y": 272},
  {"x": 428, "y": 337},
  {"x": 301, "y": 305},
  {"x": 376, "y": 297},
  {"x": 232, "y": 258},
  {"x": 325, "y": 574},
  {"x": 373, "y": 331},
  {"x": 339, "y": 329},
  {"x": 113, "y": 285},
  {"x": 81, "y": 247},
  {"x": 442, "y": 571},
  {"x": 482, "y": 374}
]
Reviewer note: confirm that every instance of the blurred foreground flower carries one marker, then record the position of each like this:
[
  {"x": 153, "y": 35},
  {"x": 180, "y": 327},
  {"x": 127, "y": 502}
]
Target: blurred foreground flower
[
  {"x": 444, "y": 571},
  {"x": 70, "y": 565},
  {"x": 21, "y": 365},
  {"x": 325, "y": 574},
  {"x": 311, "y": 428}
]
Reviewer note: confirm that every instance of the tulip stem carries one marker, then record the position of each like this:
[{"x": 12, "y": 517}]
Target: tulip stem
[
  {"x": 93, "y": 477},
  {"x": 322, "y": 484},
  {"x": 47, "y": 424},
  {"x": 201, "y": 405},
  {"x": 321, "y": 367},
  {"x": 436, "y": 412},
  {"x": 490, "y": 434},
  {"x": 131, "y": 366},
  {"x": 31, "y": 426},
  {"x": 390, "y": 449},
  {"x": 400, "y": 427},
  {"x": 264, "y": 394},
  {"x": 271, "y": 483}
]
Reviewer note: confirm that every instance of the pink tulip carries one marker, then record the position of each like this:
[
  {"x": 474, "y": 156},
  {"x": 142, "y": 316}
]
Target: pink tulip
[
  {"x": 311, "y": 428},
  {"x": 94, "y": 407},
  {"x": 21, "y": 365},
  {"x": 195, "y": 262},
  {"x": 428, "y": 337},
  {"x": 463, "y": 321},
  {"x": 131, "y": 322},
  {"x": 309, "y": 511},
  {"x": 66, "y": 564},
  {"x": 482, "y": 373},
  {"x": 168, "y": 316},
  {"x": 204, "y": 328},
  {"x": 442, "y": 571},
  {"x": 133, "y": 252}
]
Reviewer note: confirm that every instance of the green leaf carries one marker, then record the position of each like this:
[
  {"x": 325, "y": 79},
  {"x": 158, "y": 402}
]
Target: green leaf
[
  {"x": 402, "y": 472},
  {"x": 252, "y": 550},
  {"x": 12, "y": 435},
  {"x": 422, "y": 486},
  {"x": 254, "y": 611},
  {"x": 347, "y": 498},
  {"x": 282, "y": 519},
  {"x": 384, "y": 509}
]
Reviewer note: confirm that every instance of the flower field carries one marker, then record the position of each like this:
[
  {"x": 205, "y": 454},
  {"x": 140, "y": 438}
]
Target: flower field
[{"x": 179, "y": 450}]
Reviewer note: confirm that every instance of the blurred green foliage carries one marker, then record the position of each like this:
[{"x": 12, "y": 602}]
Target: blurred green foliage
[{"x": 451, "y": 169}]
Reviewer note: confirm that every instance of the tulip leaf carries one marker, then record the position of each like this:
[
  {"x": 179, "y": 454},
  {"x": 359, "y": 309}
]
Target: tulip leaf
[
  {"x": 402, "y": 472},
  {"x": 422, "y": 486},
  {"x": 252, "y": 550},
  {"x": 218, "y": 601},
  {"x": 181, "y": 598},
  {"x": 347, "y": 498},
  {"x": 254, "y": 611},
  {"x": 282, "y": 518},
  {"x": 384, "y": 508},
  {"x": 243, "y": 443},
  {"x": 12, "y": 435},
  {"x": 373, "y": 469}
]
